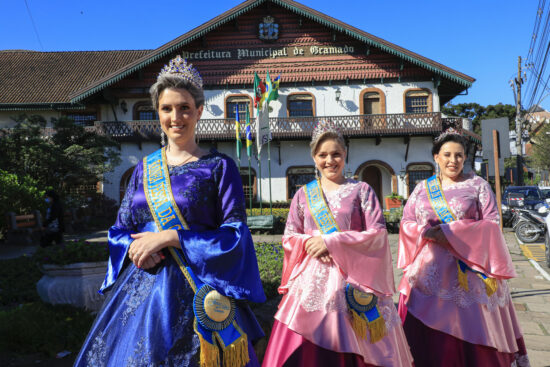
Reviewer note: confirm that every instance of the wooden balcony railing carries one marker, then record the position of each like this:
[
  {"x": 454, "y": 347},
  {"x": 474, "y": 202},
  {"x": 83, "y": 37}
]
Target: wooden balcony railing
[{"x": 288, "y": 128}]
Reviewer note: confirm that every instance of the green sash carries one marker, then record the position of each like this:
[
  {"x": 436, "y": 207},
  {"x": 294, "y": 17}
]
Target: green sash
[
  {"x": 215, "y": 322},
  {"x": 445, "y": 215},
  {"x": 364, "y": 311}
]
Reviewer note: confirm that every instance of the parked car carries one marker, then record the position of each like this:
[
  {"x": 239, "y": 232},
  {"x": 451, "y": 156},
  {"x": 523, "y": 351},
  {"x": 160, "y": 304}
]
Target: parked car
[
  {"x": 545, "y": 192},
  {"x": 530, "y": 197}
]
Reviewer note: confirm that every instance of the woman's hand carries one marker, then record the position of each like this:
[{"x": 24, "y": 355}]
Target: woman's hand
[
  {"x": 436, "y": 234},
  {"x": 316, "y": 247},
  {"x": 145, "y": 250}
]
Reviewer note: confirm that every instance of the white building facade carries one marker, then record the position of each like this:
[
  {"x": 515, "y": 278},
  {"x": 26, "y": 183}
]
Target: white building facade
[{"x": 386, "y": 99}]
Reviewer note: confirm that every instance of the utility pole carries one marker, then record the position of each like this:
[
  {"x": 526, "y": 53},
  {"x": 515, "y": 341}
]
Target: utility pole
[{"x": 519, "y": 135}]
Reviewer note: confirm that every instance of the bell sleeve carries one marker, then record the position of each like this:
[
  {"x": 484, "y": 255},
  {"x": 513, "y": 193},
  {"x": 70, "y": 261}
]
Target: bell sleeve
[
  {"x": 480, "y": 243},
  {"x": 364, "y": 257},
  {"x": 411, "y": 239},
  {"x": 119, "y": 234},
  {"x": 225, "y": 258},
  {"x": 294, "y": 240}
]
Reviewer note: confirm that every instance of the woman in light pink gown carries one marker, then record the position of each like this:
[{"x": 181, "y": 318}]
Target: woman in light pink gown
[
  {"x": 313, "y": 324},
  {"x": 450, "y": 322}
]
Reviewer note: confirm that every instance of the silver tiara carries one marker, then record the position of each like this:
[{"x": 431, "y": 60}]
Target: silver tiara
[
  {"x": 449, "y": 131},
  {"x": 180, "y": 67},
  {"x": 325, "y": 127}
]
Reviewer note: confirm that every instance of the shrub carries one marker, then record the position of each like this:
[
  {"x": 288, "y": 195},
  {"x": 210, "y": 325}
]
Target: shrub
[
  {"x": 270, "y": 263},
  {"x": 18, "y": 194},
  {"x": 42, "y": 328},
  {"x": 18, "y": 279},
  {"x": 72, "y": 252}
]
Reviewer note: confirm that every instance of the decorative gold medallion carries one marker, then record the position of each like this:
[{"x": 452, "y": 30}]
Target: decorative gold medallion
[
  {"x": 360, "y": 301},
  {"x": 362, "y": 298},
  {"x": 213, "y": 310},
  {"x": 216, "y": 306}
]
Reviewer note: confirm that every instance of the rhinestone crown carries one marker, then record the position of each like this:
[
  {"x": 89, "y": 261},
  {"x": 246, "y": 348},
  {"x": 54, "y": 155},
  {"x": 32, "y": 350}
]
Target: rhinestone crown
[{"x": 180, "y": 67}]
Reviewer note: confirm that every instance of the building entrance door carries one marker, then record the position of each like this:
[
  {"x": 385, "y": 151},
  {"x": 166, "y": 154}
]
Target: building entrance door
[{"x": 373, "y": 176}]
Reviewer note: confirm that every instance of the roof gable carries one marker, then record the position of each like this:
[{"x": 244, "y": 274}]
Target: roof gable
[{"x": 457, "y": 80}]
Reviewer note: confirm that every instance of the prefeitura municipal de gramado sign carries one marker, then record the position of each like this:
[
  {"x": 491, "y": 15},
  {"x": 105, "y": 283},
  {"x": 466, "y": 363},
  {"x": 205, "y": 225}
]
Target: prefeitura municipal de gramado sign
[{"x": 268, "y": 30}]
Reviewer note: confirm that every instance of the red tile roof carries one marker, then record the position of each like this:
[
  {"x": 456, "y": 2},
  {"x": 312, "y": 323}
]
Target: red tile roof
[{"x": 50, "y": 77}]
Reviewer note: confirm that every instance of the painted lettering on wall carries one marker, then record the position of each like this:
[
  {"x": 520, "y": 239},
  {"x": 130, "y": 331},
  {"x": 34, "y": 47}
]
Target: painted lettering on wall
[{"x": 269, "y": 52}]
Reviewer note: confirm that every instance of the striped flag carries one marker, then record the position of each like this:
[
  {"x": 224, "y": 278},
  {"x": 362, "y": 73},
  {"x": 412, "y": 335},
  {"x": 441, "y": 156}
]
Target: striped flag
[
  {"x": 248, "y": 133},
  {"x": 239, "y": 144}
]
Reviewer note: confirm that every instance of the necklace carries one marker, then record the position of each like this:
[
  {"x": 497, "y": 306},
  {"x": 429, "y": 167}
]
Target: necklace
[{"x": 186, "y": 160}]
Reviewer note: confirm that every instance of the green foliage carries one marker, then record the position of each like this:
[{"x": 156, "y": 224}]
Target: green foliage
[
  {"x": 395, "y": 196},
  {"x": 278, "y": 212},
  {"x": 73, "y": 156},
  {"x": 18, "y": 279},
  {"x": 18, "y": 194},
  {"x": 540, "y": 156},
  {"x": 77, "y": 251},
  {"x": 476, "y": 113},
  {"x": 42, "y": 328},
  {"x": 270, "y": 263}
]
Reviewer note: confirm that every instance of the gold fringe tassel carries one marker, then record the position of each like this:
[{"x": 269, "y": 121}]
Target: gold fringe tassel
[
  {"x": 377, "y": 329},
  {"x": 210, "y": 353},
  {"x": 462, "y": 278},
  {"x": 236, "y": 354},
  {"x": 359, "y": 324},
  {"x": 491, "y": 286}
]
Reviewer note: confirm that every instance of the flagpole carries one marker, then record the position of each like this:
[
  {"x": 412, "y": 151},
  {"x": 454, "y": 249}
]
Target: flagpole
[
  {"x": 250, "y": 184},
  {"x": 260, "y": 180},
  {"x": 269, "y": 169}
]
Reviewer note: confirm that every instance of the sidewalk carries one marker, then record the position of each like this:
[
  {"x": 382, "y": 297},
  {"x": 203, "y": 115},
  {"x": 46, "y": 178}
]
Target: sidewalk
[{"x": 531, "y": 298}]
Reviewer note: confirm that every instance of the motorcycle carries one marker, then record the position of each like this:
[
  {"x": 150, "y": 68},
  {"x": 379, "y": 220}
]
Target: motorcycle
[{"x": 529, "y": 225}]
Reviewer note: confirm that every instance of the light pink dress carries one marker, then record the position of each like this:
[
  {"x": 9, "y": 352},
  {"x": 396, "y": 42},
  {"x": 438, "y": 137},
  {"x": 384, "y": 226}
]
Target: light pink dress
[
  {"x": 314, "y": 304},
  {"x": 430, "y": 285}
]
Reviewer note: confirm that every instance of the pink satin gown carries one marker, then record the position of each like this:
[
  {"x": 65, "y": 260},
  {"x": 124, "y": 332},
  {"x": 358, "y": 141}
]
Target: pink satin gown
[
  {"x": 312, "y": 326},
  {"x": 445, "y": 324}
]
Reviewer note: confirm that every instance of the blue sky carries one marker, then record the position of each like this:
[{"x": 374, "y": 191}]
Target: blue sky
[{"x": 481, "y": 38}]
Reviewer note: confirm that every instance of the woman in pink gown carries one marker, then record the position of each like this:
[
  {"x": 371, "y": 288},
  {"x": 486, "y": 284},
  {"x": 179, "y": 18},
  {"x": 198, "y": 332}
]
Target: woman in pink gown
[
  {"x": 313, "y": 325},
  {"x": 454, "y": 301}
]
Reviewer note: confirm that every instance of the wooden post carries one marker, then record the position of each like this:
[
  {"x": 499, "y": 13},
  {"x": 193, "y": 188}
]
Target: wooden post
[{"x": 497, "y": 174}]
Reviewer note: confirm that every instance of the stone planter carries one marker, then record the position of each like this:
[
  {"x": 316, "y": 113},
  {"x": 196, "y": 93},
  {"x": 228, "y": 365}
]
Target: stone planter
[{"x": 74, "y": 284}]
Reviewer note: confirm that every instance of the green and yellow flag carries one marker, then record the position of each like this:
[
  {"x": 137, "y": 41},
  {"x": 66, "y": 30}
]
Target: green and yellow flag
[{"x": 239, "y": 144}]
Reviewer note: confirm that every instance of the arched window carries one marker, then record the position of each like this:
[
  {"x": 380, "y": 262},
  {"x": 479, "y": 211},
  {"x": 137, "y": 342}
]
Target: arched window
[
  {"x": 373, "y": 101},
  {"x": 125, "y": 180},
  {"x": 238, "y": 101},
  {"x": 418, "y": 101},
  {"x": 300, "y": 105},
  {"x": 249, "y": 184},
  {"x": 417, "y": 172},
  {"x": 143, "y": 110},
  {"x": 297, "y": 177}
]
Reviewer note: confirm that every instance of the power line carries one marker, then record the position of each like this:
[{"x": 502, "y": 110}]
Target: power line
[{"x": 34, "y": 25}]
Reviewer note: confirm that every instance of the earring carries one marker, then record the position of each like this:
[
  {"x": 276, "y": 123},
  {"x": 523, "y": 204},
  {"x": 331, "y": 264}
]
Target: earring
[
  {"x": 316, "y": 173},
  {"x": 162, "y": 139},
  {"x": 437, "y": 170}
]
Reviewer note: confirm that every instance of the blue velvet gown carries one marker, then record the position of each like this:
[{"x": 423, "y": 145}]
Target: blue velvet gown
[{"x": 147, "y": 317}]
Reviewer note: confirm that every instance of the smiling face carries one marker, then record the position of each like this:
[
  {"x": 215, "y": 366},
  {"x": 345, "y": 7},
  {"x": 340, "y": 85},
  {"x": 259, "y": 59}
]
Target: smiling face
[
  {"x": 178, "y": 115},
  {"x": 450, "y": 159},
  {"x": 330, "y": 159}
]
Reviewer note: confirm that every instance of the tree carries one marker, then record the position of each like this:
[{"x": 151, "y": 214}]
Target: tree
[
  {"x": 540, "y": 156},
  {"x": 477, "y": 112},
  {"x": 72, "y": 157}
]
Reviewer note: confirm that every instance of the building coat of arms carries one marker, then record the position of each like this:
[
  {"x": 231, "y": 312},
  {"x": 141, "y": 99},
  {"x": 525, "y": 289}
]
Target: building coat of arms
[{"x": 269, "y": 30}]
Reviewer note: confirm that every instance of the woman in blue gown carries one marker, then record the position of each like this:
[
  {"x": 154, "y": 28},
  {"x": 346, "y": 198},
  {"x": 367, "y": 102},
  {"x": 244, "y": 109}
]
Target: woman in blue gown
[{"x": 148, "y": 318}]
